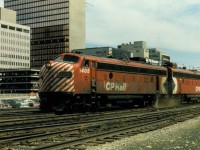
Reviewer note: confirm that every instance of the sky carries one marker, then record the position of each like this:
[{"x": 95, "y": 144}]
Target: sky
[
  {"x": 169, "y": 25},
  {"x": 1, "y": 3}
]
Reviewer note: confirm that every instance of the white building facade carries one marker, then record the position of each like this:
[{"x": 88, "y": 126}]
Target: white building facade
[
  {"x": 14, "y": 42},
  {"x": 139, "y": 48}
]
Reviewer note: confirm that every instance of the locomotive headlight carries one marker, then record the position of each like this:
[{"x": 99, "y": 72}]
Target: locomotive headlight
[{"x": 48, "y": 65}]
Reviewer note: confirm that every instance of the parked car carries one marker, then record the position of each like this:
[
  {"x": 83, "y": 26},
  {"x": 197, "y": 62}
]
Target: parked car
[
  {"x": 25, "y": 103},
  {"x": 15, "y": 104},
  {"x": 29, "y": 103},
  {"x": 3, "y": 104},
  {"x": 34, "y": 104}
]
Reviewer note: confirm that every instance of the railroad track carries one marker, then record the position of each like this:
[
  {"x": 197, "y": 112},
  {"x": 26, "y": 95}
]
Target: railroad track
[
  {"x": 50, "y": 120},
  {"x": 10, "y": 112},
  {"x": 91, "y": 130},
  {"x": 38, "y": 119}
]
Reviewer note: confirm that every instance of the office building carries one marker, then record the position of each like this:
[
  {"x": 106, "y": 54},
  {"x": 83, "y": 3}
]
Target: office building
[
  {"x": 14, "y": 42},
  {"x": 57, "y": 26}
]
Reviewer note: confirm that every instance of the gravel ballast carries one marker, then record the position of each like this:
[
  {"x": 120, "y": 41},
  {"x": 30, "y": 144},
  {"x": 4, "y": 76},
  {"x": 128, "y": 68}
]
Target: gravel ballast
[{"x": 183, "y": 136}]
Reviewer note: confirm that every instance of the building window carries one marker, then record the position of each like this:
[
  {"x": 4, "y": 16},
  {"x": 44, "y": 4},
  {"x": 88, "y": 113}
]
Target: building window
[
  {"x": 19, "y": 29},
  {"x": 11, "y": 28},
  {"x": 26, "y": 31},
  {"x": 4, "y": 26}
]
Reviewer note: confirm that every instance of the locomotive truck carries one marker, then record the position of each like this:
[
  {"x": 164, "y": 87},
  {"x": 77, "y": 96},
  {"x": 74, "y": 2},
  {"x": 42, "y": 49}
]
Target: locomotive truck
[{"x": 79, "y": 82}]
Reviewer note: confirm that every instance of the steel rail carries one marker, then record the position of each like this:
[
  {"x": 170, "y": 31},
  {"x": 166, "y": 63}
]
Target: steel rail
[{"x": 155, "y": 116}]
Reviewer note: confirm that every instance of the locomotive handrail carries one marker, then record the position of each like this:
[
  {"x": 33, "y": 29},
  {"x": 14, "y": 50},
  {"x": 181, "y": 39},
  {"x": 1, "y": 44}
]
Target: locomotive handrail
[{"x": 128, "y": 60}]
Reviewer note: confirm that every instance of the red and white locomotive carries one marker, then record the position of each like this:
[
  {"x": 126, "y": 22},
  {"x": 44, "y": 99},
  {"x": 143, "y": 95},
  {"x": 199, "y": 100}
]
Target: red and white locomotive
[{"x": 75, "y": 81}]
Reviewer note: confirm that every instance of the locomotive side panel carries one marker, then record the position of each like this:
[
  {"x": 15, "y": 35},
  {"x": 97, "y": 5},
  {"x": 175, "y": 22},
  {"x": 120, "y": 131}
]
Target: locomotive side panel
[
  {"x": 186, "y": 82},
  {"x": 131, "y": 78},
  {"x": 190, "y": 86},
  {"x": 124, "y": 83},
  {"x": 186, "y": 85}
]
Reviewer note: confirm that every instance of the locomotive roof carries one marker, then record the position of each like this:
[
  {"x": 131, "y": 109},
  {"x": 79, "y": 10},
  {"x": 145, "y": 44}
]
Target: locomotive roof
[
  {"x": 187, "y": 71},
  {"x": 117, "y": 61}
]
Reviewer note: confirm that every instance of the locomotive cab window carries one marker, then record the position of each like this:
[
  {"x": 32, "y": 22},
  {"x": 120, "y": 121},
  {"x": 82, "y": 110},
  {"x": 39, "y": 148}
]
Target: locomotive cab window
[
  {"x": 58, "y": 59},
  {"x": 70, "y": 59},
  {"x": 93, "y": 64},
  {"x": 85, "y": 63}
]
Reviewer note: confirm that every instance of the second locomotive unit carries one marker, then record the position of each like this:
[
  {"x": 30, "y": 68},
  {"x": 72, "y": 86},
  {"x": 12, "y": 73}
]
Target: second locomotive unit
[{"x": 75, "y": 81}]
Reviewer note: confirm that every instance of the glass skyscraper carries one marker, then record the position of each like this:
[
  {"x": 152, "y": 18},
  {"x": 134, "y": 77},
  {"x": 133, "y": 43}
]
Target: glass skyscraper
[{"x": 57, "y": 26}]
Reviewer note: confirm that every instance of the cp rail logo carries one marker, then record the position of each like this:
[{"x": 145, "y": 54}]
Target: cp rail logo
[
  {"x": 115, "y": 86},
  {"x": 197, "y": 88}
]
